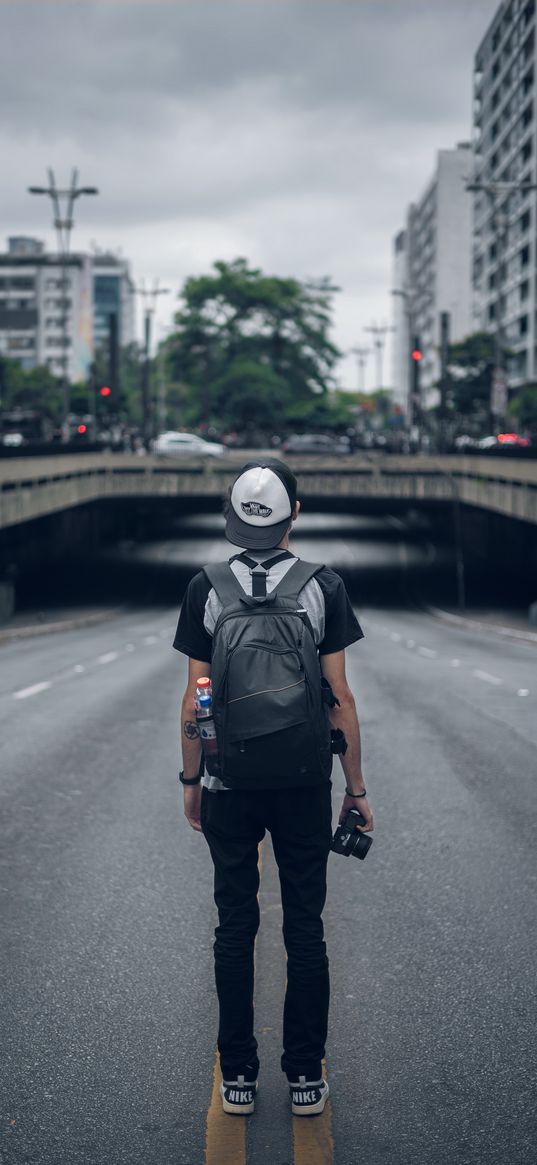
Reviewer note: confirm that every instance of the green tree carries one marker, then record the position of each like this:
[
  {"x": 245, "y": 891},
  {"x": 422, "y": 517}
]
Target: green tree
[
  {"x": 523, "y": 407},
  {"x": 238, "y": 326},
  {"x": 470, "y": 367},
  {"x": 34, "y": 388}
]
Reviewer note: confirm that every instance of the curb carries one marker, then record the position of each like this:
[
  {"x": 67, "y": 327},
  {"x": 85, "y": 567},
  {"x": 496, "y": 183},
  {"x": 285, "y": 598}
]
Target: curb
[
  {"x": 476, "y": 625},
  {"x": 7, "y": 635}
]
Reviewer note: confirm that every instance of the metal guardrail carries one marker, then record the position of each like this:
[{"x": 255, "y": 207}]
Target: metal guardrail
[{"x": 34, "y": 487}]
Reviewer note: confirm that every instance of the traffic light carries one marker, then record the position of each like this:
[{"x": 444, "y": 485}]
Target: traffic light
[
  {"x": 82, "y": 429},
  {"x": 105, "y": 390},
  {"x": 416, "y": 356}
]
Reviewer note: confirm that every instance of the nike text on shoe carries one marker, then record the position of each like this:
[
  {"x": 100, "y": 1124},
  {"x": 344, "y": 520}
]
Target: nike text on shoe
[
  {"x": 308, "y": 1098},
  {"x": 238, "y": 1096}
]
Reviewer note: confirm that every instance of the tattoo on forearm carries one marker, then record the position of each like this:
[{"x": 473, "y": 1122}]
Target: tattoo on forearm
[{"x": 191, "y": 729}]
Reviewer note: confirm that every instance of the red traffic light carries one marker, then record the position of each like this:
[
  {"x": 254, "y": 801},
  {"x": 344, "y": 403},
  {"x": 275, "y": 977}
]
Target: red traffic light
[
  {"x": 82, "y": 429},
  {"x": 417, "y": 354},
  {"x": 105, "y": 390}
]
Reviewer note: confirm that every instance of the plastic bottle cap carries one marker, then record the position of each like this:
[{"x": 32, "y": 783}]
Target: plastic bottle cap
[{"x": 203, "y": 682}]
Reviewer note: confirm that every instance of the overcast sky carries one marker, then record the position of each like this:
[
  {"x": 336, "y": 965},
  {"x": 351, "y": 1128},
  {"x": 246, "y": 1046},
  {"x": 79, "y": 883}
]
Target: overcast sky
[{"x": 292, "y": 132}]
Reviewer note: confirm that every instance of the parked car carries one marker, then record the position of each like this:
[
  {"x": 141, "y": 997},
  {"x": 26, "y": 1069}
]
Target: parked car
[
  {"x": 316, "y": 443},
  {"x": 186, "y": 445}
]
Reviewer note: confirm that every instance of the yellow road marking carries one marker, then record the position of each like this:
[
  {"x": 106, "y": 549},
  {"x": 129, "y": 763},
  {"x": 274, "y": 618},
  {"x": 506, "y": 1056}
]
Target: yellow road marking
[
  {"x": 225, "y": 1138},
  {"x": 313, "y": 1143},
  {"x": 226, "y": 1134}
]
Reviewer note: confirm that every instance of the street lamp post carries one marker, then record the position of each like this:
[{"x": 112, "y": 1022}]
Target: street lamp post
[
  {"x": 149, "y": 298},
  {"x": 379, "y": 333},
  {"x": 361, "y": 360},
  {"x": 63, "y": 202},
  {"x": 499, "y": 194}
]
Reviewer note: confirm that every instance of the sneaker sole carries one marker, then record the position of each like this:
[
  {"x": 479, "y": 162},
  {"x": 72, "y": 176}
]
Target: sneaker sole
[{"x": 311, "y": 1109}]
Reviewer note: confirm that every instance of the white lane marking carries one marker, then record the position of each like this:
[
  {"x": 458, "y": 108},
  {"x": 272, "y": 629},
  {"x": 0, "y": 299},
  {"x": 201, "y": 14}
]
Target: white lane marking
[
  {"x": 130, "y": 647},
  {"x": 523, "y": 692},
  {"x": 455, "y": 663},
  {"x": 23, "y": 693},
  {"x": 428, "y": 652},
  {"x": 108, "y": 657},
  {"x": 485, "y": 676},
  {"x": 395, "y": 637},
  {"x": 79, "y": 668},
  {"x": 150, "y": 639}
]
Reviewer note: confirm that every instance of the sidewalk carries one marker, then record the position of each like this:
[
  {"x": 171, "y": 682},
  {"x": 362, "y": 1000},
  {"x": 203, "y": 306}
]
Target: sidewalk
[
  {"x": 29, "y": 623},
  {"x": 504, "y": 624}
]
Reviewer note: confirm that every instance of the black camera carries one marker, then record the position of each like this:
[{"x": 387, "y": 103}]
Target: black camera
[{"x": 348, "y": 839}]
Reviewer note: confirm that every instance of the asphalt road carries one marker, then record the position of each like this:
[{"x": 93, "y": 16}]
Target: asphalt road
[{"x": 108, "y": 1011}]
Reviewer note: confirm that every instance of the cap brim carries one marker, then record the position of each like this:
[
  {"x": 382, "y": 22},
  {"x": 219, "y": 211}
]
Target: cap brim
[{"x": 239, "y": 533}]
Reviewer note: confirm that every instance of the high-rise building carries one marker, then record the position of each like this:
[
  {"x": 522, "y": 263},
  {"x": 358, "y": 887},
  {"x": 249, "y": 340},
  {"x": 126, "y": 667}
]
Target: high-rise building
[
  {"x": 112, "y": 295},
  {"x": 35, "y": 295},
  {"x": 432, "y": 270},
  {"x": 34, "y": 300},
  {"x": 505, "y": 227}
]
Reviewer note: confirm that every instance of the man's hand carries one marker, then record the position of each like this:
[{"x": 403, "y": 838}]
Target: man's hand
[
  {"x": 192, "y": 795},
  {"x": 363, "y": 807}
]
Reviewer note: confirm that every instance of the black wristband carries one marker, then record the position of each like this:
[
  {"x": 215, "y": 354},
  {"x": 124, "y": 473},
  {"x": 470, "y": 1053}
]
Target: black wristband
[
  {"x": 355, "y": 795},
  {"x": 189, "y": 780}
]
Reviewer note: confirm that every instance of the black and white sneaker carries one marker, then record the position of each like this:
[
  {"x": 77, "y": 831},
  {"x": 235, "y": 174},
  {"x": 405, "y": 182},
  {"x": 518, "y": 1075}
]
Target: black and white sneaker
[
  {"x": 308, "y": 1098},
  {"x": 238, "y": 1096}
]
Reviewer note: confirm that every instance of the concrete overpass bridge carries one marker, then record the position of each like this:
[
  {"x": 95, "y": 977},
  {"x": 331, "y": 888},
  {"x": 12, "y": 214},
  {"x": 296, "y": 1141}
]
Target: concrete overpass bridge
[{"x": 34, "y": 488}]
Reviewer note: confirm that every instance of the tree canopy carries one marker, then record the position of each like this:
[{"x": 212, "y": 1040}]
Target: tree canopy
[
  {"x": 248, "y": 347},
  {"x": 470, "y": 364}
]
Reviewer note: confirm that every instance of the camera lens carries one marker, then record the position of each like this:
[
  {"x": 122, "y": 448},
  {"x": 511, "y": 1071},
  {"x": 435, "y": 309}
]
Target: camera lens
[{"x": 361, "y": 846}]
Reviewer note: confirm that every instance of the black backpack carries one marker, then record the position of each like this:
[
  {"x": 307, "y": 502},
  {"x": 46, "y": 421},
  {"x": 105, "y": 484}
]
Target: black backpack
[{"x": 270, "y": 702}]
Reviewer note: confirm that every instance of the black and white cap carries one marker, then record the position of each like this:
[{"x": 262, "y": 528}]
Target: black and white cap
[{"x": 261, "y": 503}]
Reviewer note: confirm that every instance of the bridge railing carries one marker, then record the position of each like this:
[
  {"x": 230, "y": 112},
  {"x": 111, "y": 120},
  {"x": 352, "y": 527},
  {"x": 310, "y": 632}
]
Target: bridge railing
[{"x": 31, "y": 488}]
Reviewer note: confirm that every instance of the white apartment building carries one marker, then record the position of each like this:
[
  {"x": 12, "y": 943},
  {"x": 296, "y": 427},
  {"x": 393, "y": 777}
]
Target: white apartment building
[
  {"x": 505, "y": 229},
  {"x": 34, "y": 300},
  {"x": 432, "y": 269}
]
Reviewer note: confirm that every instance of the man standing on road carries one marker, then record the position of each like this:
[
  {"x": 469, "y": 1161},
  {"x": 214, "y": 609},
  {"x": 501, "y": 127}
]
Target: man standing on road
[{"x": 293, "y": 804}]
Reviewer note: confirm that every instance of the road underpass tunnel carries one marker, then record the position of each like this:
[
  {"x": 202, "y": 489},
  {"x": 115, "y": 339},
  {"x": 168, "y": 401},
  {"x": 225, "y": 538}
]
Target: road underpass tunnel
[{"x": 147, "y": 554}]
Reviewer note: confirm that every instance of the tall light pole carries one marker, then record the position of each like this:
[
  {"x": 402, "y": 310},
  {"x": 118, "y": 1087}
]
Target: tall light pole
[
  {"x": 63, "y": 202},
  {"x": 379, "y": 333},
  {"x": 149, "y": 298},
  {"x": 361, "y": 360},
  {"x": 499, "y": 194}
]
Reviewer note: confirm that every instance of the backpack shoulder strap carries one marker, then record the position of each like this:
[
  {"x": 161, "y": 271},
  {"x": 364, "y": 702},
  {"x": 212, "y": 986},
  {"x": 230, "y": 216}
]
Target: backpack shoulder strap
[
  {"x": 296, "y": 578},
  {"x": 226, "y": 585}
]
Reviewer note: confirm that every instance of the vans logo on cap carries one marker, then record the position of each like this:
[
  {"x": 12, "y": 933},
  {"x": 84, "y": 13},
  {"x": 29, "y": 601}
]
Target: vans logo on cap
[{"x": 256, "y": 509}]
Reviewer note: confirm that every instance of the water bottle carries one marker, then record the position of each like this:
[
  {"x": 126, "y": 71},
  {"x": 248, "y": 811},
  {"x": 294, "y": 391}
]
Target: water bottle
[{"x": 206, "y": 725}]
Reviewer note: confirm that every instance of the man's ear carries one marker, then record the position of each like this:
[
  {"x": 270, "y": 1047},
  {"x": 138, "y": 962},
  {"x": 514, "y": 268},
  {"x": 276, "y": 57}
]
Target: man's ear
[{"x": 295, "y": 512}]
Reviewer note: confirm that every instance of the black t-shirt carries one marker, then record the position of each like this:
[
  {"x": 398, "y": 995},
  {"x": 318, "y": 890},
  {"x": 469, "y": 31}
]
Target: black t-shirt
[{"x": 341, "y": 625}]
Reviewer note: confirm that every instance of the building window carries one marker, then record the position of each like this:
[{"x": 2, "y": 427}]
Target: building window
[
  {"x": 527, "y": 151},
  {"x": 492, "y": 311},
  {"x": 523, "y": 326},
  {"x": 527, "y": 83},
  {"x": 524, "y": 256},
  {"x": 524, "y": 290}
]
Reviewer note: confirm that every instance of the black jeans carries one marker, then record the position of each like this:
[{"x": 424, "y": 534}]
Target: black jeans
[{"x": 300, "y": 822}]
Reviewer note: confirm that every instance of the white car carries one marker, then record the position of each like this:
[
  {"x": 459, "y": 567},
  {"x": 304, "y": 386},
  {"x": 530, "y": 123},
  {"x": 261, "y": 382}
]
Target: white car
[{"x": 186, "y": 445}]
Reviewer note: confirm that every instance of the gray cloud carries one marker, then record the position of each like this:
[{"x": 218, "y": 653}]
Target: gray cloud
[{"x": 292, "y": 131}]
